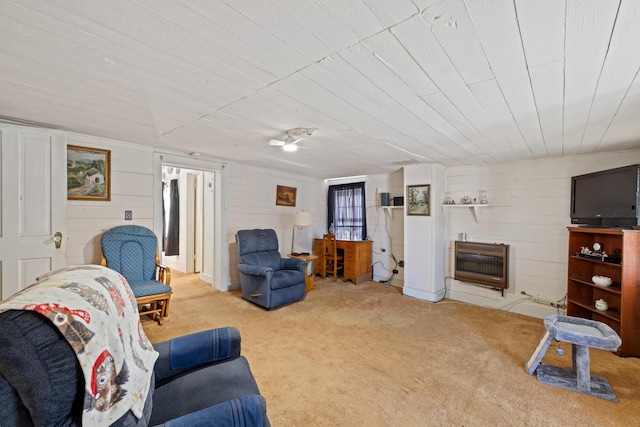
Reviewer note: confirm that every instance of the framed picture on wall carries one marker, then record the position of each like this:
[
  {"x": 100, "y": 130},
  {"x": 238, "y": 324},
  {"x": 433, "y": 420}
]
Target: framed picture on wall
[
  {"x": 285, "y": 196},
  {"x": 418, "y": 199},
  {"x": 88, "y": 173}
]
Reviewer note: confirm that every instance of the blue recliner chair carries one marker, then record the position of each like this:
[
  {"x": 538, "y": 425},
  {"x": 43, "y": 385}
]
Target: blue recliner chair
[
  {"x": 266, "y": 278},
  {"x": 199, "y": 379},
  {"x": 132, "y": 250}
]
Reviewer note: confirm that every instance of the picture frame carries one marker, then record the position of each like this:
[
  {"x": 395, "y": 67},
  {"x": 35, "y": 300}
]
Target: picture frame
[
  {"x": 419, "y": 199},
  {"x": 285, "y": 196},
  {"x": 88, "y": 173}
]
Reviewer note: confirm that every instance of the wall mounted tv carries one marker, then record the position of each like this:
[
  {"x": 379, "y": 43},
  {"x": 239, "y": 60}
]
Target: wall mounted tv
[{"x": 607, "y": 198}]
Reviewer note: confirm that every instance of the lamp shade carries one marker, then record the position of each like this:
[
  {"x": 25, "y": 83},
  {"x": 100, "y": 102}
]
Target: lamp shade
[{"x": 303, "y": 219}]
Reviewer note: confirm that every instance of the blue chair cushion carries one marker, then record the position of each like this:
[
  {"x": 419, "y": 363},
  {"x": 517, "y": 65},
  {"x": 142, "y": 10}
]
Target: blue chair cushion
[
  {"x": 131, "y": 251},
  {"x": 149, "y": 287},
  {"x": 258, "y": 247},
  {"x": 263, "y": 259},
  {"x": 285, "y": 278}
]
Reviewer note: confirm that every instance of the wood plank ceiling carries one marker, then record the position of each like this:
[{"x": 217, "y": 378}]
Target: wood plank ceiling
[{"x": 385, "y": 82}]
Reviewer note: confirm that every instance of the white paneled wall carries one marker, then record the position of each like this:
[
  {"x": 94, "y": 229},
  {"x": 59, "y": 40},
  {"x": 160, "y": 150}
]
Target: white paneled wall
[
  {"x": 131, "y": 189},
  {"x": 385, "y": 226},
  {"x": 252, "y": 204},
  {"x": 529, "y": 210},
  {"x": 424, "y": 237}
]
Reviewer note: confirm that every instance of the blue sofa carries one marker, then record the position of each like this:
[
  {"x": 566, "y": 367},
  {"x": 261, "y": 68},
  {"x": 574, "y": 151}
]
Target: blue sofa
[{"x": 73, "y": 352}]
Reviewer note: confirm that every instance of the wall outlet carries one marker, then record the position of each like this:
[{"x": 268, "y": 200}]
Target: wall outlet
[
  {"x": 128, "y": 215},
  {"x": 401, "y": 263}
]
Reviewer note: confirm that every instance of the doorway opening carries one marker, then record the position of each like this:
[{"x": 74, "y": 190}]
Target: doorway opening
[
  {"x": 188, "y": 216},
  {"x": 183, "y": 201}
]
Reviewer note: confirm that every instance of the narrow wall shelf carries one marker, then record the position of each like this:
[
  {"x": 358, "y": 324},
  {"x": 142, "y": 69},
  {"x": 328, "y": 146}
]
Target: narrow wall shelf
[
  {"x": 391, "y": 209},
  {"x": 474, "y": 208}
]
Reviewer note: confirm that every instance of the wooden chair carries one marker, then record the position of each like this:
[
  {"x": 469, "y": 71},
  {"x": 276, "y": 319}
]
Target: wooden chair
[{"x": 332, "y": 261}]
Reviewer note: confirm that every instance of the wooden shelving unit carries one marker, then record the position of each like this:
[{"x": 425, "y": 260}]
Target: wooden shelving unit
[{"x": 622, "y": 297}]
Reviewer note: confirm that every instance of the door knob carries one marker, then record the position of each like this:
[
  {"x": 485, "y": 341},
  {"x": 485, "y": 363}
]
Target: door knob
[{"x": 57, "y": 239}]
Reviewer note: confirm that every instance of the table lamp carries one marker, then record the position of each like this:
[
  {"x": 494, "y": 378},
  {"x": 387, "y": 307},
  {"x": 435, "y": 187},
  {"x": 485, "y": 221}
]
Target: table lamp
[{"x": 302, "y": 219}]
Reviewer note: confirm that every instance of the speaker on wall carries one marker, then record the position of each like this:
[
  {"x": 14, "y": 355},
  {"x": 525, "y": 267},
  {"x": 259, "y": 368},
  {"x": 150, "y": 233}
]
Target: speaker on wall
[{"x": 385, "y": 199}]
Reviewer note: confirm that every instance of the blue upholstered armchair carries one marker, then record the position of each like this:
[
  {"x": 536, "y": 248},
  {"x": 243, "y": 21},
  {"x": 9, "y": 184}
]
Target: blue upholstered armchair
[
  {"x": 266, "y": 278},
  {"x": 132, "y": 251},
  {"x": 199, "y": 379}
]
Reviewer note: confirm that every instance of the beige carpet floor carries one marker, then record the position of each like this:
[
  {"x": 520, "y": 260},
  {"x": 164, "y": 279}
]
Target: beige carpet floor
[{"x": 367, "y": 355}]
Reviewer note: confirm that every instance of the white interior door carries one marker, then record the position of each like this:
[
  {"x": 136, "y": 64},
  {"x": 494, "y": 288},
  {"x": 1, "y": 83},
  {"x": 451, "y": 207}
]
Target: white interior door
[{"x": 32, "y": 206}]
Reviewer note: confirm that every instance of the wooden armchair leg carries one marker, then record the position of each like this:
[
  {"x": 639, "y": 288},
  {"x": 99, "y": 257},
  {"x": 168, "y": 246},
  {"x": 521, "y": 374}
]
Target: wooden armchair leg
[{"x": 155, "y": 306}]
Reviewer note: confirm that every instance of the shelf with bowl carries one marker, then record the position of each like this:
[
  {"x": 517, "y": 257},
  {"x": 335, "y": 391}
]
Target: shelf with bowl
[
  {"x": 611, "y": 315},
  {"x": 473, "y": 206},
  {"x": 603, "y": 281},
  {"x": 614, "y": 288}
]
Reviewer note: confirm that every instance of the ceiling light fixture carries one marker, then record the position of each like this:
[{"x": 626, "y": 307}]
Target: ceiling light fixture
[{"x": 289, "y": 144}]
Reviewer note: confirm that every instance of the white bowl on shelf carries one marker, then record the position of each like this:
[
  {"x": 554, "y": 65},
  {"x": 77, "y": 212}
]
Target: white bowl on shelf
[{"x": 602, "y": 280}]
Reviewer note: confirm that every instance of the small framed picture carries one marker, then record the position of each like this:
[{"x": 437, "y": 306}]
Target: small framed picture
[
  {"x": 285, "y": 196},
  {"x": 418, "y": 199},
  {"x": 88, "y": 173}
]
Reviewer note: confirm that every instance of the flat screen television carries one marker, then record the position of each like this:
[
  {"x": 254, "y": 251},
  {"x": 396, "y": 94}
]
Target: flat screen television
[{"x": 607, "y": 198}]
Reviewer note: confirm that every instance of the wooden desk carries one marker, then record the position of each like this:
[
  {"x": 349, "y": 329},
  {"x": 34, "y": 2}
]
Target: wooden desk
[
  {"x": 308, "y": 279},
  {"x": 357, "y": 259}
]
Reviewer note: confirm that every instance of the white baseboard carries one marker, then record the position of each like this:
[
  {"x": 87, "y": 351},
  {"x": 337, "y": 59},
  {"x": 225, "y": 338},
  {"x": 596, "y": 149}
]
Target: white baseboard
[
  {"x": 508, "y": 303},
  {"x": 233, "y": 286},
  {"x": 424, "y": 295},
  {"x": 205, "y": 277}
]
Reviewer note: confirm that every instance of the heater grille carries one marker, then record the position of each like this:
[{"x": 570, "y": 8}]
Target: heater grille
[{"x": 484, "y": 264}]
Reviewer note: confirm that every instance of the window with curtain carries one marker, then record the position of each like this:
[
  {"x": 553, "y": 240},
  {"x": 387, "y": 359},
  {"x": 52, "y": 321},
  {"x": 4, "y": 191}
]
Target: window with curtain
[{"x": 347, "y": 211}]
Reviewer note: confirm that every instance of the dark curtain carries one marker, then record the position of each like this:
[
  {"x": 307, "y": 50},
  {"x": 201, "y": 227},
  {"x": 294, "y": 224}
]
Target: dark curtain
[
  {"x": 172, "y": 242},
  {"x": 346, "y": 210},
  {"x": 164, "y": 214}
]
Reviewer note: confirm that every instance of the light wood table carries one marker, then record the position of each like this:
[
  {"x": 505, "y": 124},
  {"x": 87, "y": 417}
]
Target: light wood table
[
  {"x": 357, "y": 259},
  {"x": 308, "y": 280}
]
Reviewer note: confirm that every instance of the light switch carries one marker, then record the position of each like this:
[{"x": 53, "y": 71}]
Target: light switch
[{"x": 128, "y": 215}]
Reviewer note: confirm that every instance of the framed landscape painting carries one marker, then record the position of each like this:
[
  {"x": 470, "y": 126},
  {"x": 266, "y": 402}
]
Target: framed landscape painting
[
  {"x": 418, "y": 197},
  {"x": 88, "y": 173}
]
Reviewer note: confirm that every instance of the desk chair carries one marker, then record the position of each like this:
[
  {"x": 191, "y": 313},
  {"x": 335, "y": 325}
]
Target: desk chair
[
  {"x": 132, "y": 251},
  {"x": 332, "y": 261}
]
